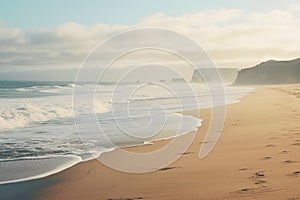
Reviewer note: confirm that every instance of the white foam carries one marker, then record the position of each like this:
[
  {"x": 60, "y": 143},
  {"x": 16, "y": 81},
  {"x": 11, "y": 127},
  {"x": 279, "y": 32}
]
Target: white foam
[
  {"x": 21, "y": 115},
  {"x": 18, "y": 113}
]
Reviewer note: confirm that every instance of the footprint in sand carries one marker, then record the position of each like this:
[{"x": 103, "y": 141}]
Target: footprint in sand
[
  {"x": 289, "y": 161},
  {"x": 243, "y": 169},
  {"x": 270, "y": 145},
  {"x": 186, "y": 153},
  {"x": 296, "y": 144},
  {"x": 251, "y": 191},
  {"x": 293, "y": 198},
  {"x": 267, "y": 158},
  {"x": 258, "y": 178},
  {"x": 166, "y": 168},
  {"x": 296, "y": 173},
  {"x": 245, "y": 190},
  {"x": 259, "y": 174},
  {"x": 284, "y": 152},
  {"x": 258, "y": 182}
]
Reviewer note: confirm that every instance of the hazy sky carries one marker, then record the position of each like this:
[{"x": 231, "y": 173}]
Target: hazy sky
[
  {"x": 57, "y": 35},
  {"x": 32, "y": 14}
]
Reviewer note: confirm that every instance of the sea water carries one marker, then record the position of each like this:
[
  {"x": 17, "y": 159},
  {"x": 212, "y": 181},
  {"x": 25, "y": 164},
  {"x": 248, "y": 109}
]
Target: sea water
[{"x": 41, "y": 132}]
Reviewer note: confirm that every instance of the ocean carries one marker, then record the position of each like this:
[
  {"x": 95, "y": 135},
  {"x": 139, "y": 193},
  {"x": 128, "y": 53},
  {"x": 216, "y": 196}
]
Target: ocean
[{"x": 42, "y": 130}]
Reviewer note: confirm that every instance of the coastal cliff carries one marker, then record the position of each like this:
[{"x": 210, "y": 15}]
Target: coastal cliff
[
  {"x": 228, "y": 75},
  {"x": 270, "y": 72}
]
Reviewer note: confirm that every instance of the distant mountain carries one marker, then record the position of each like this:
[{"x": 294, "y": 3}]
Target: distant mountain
[
  {"x": 270, "y": 72},
  {"x": 228, "y": 75}
]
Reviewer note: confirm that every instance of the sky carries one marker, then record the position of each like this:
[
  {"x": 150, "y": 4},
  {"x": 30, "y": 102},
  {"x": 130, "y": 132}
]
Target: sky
[
  {"x": 33, "y": 14},
  {"x": 38, "y": 37}
]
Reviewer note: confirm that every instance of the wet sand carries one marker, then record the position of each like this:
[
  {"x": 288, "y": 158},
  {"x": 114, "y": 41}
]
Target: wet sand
[{"x": 256, "y": 157}]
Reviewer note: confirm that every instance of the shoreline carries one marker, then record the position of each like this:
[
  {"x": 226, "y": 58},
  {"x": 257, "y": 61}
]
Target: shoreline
[
  {"x": 66, "y": 166},
  {"x": 97, "y": 181},
  {"x": 63, "y": 166}
]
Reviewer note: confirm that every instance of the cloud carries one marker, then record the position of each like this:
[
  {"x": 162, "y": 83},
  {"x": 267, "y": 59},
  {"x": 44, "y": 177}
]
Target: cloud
[
  {"x": 63, "y": 46},
  {"x": 193, "y": 20},
  {"x": 232, "y": 37}
]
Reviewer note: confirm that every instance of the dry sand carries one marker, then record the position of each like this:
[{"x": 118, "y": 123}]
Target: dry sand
[{"x": 257, "y": 157}]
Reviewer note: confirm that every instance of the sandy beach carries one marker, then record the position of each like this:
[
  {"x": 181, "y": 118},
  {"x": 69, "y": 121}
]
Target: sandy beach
[{"x": 257, "y": 157}]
